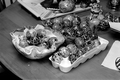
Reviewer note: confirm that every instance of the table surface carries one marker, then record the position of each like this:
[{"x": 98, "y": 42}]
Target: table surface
[{"x": 16, "y": 16}]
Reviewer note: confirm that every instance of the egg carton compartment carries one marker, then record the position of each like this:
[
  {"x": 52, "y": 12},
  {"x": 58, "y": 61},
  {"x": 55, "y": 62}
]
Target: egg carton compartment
[
  {"x": 39, "y": 11},
  {"x": 65, "y": 67}
]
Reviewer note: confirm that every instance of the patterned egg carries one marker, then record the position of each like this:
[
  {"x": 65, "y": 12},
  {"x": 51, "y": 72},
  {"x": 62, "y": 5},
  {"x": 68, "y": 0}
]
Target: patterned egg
[
  {"x": 72, "y": 48},
  {"x": 69, "y": 17},
  {"x": 57, "y": 20},
  {"x": 95, "y": 21},
  {"x": 66, "y": 6},
  {"x": 57, "y": 26},
  {"x": 64, "y": 51},
  {"x": 79, "y": 42}
]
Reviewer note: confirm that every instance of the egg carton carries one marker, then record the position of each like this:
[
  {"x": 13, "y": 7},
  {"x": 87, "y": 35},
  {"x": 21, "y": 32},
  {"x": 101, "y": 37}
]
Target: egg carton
[
  {"x": 83, "y": 58},
  {"x": 39, "y": 11}
]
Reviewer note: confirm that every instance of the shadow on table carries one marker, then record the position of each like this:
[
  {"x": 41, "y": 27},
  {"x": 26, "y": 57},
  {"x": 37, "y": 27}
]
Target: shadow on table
[{"x": 6, "y": 74}]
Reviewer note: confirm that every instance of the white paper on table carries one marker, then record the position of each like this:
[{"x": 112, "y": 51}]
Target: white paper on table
[
  {"x": 113, "y": 53},
  {"x": 115, "y": 25}
]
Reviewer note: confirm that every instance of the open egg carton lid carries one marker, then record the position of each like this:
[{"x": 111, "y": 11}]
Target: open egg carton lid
[{"x": 38, "y": 10}]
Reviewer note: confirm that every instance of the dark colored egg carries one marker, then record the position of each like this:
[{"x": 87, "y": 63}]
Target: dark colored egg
[
  {"x": 46, "y": 44},
  {"x": 109, "y": 16},
  {"x": 52, "y": 40},
  {"x": 76, "y": 20},
  {"x": 48, "y": 23},
  {"x": 103, "y": 26},
  {"x": 72, "y": 58},
  {"x": 64, "y": 51},
  {"x": 83, "y": 24},
  {"x": 57, "y": 26},
  {"x": 66, "y": 6},
  {"x": 79, "y": 42},
  {"x": 28, "y": 34},
  {"x": 72, "y": 48},
  {"x": 83, "y": 5},
  {"x": 57, "y": 20},
  {"x": 67, "y": 23},
  {"x": 69, "y": 17}
]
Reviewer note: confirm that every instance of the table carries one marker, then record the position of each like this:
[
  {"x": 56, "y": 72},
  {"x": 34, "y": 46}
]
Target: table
[{"x": 16, "y": 16}]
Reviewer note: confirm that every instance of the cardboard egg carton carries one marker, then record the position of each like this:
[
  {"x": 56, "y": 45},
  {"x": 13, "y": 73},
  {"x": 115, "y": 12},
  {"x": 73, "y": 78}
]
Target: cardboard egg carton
[
  {"x": 38, "y": 10},
  {"x": 83, "y": 58}
]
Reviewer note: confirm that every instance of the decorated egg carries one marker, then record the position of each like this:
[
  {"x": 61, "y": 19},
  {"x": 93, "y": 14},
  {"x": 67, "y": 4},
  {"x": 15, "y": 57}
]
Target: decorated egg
[
  {"x": 64, "y": 51},
  {"x": 79, "y": 42},
  {"x": 69, "y": 17},
  {"x": 66, "y": 6},
  {"x": 72, "y": 48},
  {"x": 57, "y": 26},
  {"x": 67, "y": 23},
  {"x": 76, "y": 20},
  {"x": 57, "y": 20},
  {"x": 95, "y": 21},
  {"x": 83, "y": 5}
]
